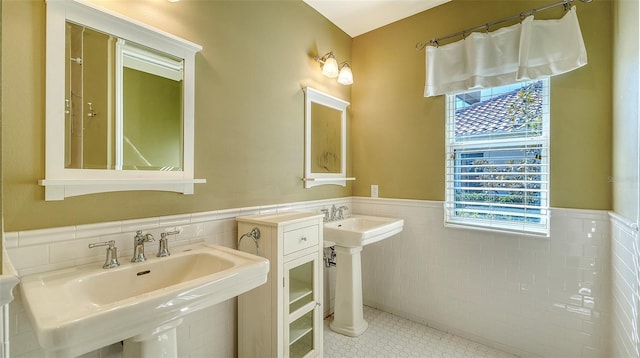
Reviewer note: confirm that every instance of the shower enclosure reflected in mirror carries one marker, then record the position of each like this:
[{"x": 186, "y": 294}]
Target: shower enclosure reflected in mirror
[
  {"x": 325, "y": 139},
  {"x": 119, "y": 104}
]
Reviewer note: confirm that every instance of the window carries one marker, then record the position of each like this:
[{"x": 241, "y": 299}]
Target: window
[{"x": 498, "y": 158}]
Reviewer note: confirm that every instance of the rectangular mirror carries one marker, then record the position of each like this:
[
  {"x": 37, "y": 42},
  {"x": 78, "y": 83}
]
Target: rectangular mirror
[
  {"x": 120, "y": 104},
  {"x": 325, "y": 139}
]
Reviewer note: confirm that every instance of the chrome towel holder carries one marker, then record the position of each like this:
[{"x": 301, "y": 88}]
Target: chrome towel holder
[{"x": 255, "y": 235}]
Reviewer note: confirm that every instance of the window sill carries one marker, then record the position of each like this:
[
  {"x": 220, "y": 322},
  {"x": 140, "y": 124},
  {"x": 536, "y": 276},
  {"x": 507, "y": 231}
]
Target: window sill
[{"x": 498, "y": 230}]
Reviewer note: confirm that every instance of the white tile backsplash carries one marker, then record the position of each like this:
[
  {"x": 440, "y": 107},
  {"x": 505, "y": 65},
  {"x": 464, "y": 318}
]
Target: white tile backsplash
[
  {"x": 36, "y": 237},
  {"x": 97, "y": 230},
  {"x": 140, "y": 224},
  {"x": 534, "y": 297},
  {"x": 524, "y": 294},
  {"x": 625, "y": 287}
]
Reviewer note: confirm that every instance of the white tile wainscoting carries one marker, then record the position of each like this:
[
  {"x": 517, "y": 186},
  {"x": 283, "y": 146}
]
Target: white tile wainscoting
[
  {"x": 529, "y": 296},
  {"x": 533, "y": 297},
  {"x": 208, "y": 333},
  {"x": 625, "y": 287}
]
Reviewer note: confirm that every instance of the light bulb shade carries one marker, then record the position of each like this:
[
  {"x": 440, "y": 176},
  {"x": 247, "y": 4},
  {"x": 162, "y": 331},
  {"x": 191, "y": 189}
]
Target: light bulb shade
[
  {"x": 346, "y": 76},
  {"x": 330, "y": 67}
]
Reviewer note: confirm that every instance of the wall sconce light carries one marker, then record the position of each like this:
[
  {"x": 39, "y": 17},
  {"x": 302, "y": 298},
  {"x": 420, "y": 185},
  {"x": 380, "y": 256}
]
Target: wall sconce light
[
  {"x": 346, "y": 76},
  {"x": 331, "y": 69}
]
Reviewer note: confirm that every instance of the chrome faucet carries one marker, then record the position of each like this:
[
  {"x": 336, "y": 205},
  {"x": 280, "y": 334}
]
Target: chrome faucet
[
  {"x": 336, "y": 213},
  {"x": 138, "y": 246}
]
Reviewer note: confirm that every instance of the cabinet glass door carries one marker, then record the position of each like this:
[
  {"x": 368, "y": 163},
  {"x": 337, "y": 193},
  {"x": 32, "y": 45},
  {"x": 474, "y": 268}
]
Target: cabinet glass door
[
  {"x": 301, "y": 286},
  {"x": 301, "y": 340},
  {"x": 302, "y": 299}
]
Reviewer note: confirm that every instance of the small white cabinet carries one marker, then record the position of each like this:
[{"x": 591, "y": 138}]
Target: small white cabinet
[{"x": 283, "y": 317}]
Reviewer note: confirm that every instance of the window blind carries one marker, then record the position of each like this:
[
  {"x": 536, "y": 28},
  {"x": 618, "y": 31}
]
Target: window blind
[{"x": 497, "y": 167}]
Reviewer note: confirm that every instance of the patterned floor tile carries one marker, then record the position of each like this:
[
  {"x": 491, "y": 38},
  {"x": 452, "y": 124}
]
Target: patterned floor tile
[{"x": 389, "y": 336}]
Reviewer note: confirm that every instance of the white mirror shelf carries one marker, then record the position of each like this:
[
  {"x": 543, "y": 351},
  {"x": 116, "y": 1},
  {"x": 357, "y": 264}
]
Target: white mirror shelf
[{"x": 63, "y": 180}]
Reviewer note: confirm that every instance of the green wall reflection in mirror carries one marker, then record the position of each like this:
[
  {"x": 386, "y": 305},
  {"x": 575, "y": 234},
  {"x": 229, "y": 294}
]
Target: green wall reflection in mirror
[{"x": 326, "y": 148}]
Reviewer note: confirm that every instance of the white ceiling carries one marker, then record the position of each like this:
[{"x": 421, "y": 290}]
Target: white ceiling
[{"x": 355, "y": 17}]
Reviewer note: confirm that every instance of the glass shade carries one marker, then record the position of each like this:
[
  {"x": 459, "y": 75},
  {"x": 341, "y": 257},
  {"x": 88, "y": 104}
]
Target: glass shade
[
  {"x": 330, "y": 67},
  {"x": 345, "y": 77}
]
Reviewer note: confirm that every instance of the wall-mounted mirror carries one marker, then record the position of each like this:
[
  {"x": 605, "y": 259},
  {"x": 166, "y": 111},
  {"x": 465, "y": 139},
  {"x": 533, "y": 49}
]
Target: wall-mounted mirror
[
  {"x": 120, "y": 104},
  {"x": 325, "y": 139}
]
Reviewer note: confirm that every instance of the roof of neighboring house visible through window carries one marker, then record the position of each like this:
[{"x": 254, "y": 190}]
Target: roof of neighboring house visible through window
[{"x": 495, "y": 114}]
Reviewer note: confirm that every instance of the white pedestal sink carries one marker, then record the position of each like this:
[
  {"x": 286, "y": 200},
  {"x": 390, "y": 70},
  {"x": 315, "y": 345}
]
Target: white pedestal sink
[
  {"x": 80, "y": 309},
  {"x": 350, "y": 235}
]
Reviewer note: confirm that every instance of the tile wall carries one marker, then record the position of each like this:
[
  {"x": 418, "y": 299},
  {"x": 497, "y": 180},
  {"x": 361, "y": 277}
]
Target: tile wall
[
  {"x": 625, "y": 288},
  {"x": 208, "y": 333},
  {"x": 530, "y": 296}
]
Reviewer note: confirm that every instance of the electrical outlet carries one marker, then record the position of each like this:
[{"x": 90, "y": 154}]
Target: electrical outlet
[{"x": 374, "y": 190}]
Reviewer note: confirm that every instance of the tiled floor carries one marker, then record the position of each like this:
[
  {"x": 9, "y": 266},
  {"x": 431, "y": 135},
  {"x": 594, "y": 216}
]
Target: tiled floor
[{"x": 389, "y": 336}]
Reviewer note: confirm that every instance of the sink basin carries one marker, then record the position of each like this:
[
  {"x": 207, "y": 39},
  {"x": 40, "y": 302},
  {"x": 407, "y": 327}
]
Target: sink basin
[
  {"x": 83, "y": 308},
  {"x": 361, "y": 230}
]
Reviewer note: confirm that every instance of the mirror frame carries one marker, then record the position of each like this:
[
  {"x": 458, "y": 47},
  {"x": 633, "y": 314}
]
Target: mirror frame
[
  {"x": 61, "y": 182},
  {"x": 314, "y": 179}
]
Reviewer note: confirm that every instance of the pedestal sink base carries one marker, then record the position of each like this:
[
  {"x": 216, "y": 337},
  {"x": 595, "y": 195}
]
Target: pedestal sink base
[
  {"x": 162, "y": 342},
  {"x": 348, "y": 317},
  {"x": 350, "y": 331}
]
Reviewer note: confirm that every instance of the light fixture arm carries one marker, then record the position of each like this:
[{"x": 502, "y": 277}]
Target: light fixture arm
[{"x": 324, "y": 58}]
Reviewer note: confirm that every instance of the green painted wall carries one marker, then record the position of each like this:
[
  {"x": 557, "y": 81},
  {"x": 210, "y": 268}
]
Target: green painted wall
[
  {"x": 398, "y": 140},
  {"x": 626, "y": 158},
  {"x": 250, "y": 107},
  {"x": 249, "y": 125}
]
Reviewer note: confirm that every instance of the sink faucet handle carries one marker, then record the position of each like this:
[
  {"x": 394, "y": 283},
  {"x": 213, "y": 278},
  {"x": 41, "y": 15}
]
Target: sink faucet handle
[
  {"x": 341, "y": 212},
  {"x": 163, "y": 247},
  {"x": 111, "y": 260},
  {"x": 334, "y": 212}
]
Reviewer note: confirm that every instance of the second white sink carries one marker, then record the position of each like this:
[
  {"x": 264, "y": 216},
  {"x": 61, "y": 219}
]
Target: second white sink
[
  {"x": 350, "y": 235},
  {"x": 361, "y": 230}
]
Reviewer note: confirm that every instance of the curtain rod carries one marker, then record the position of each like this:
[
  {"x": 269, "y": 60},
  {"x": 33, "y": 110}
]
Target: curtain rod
[{"x": 421, "y": 45}]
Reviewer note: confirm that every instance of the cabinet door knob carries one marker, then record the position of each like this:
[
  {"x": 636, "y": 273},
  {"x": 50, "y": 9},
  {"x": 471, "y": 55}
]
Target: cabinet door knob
[{"x": 304, "y": 238}]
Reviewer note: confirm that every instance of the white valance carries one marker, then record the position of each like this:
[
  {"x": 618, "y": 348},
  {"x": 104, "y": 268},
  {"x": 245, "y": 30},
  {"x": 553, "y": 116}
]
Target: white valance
[{"x": 531, "y": 50}]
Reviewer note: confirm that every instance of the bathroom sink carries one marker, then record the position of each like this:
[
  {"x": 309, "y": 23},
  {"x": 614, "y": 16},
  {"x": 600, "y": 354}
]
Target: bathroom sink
[
  {"x": 8, "y": 279},
  {"x": 350, "y": 235},
  {"x": 80, "y": 309},
  {"x": 361, "y": 230}
]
